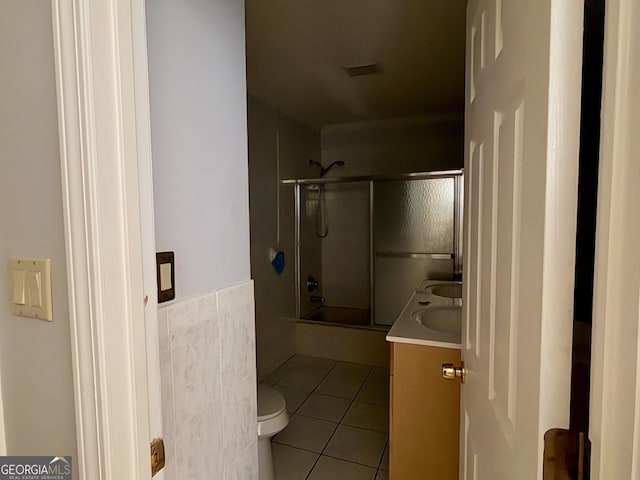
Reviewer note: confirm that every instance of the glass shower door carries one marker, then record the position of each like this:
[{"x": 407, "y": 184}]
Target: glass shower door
[
  {"x": 414, "y": 237},
  {"x": 334, "y": 253}
]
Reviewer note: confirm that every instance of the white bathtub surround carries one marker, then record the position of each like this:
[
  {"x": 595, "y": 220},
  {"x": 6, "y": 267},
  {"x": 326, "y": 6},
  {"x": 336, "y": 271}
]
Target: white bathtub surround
[
  {"x": 279, "y": 147},
  {"x": 356, "y": 345},
  {"x": 207, "y": 355}
]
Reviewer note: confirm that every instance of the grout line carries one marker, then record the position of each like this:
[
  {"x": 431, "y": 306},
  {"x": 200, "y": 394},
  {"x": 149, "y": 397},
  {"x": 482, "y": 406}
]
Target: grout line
[
  {"x": 306, "y": 397},
  {"x": 338, "y": 424},
  {"x": 296, "y": 448},
  {"x": 386, "y": 445},
  {"x": 351, "y": 461},
  {"x": 365, "y": 429},
  {"x": 374, "y": 404},
  {"x": 313, "y": 467}
]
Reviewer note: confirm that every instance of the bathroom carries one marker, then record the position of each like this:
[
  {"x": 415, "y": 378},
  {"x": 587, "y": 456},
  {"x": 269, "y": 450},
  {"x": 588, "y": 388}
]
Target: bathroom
[
  {"x": 205, "y": 383},
  {"x": 342, "y": 184}
]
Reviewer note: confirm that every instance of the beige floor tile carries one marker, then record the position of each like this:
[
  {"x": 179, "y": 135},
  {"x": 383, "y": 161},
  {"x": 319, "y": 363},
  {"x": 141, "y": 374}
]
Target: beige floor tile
[
  {"x": 325, "y": 407},
  {"x": 292, "y": 396},
  {"x": 340, "y": 386},
  {"x": 329, "y": 468},
  {"x": 368, "y": 416},
  {"x": 353, "y": 371},
  {"x": 379, "y": 375},
  {"x": 356, "y": 445},
  {"x": 306, "y": 433},
  {"x": 292, "y": 463},
  {"x": 374, "y": 392}
]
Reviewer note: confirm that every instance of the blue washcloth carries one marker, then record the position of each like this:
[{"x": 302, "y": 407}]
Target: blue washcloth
[{"x": 278, "y": 263}]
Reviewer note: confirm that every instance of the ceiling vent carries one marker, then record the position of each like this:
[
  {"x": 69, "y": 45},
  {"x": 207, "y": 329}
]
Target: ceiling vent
[{"x": 360, "y": 70}]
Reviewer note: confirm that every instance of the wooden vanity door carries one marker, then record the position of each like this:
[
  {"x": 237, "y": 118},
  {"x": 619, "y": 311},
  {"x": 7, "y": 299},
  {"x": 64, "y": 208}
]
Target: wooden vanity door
[
  {"x": 424, "y": 421},
  {"x": 521, "y": 157}
]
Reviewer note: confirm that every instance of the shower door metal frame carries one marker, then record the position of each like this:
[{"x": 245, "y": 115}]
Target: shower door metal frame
[
  {"x": 374, "y": 178},
  {"x": 458, "y": 196},
  {"x": 458, "y": 177},
  {"x": 372, "y": 277},
  {"x": 296, "y": 196}
]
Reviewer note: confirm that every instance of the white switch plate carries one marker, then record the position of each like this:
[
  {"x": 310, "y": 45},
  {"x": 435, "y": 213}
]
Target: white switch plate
[
  {"x": 30, "y": 285},
  {"x": 165, "y": 276}
]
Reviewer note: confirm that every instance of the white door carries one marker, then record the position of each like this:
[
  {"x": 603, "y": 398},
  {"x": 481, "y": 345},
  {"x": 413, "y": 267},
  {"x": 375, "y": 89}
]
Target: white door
[
  {"x": 615, "y": 389},
  {"x": 521, "y": 158}
]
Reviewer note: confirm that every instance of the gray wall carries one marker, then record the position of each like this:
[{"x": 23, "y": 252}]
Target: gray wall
[
  {"x": 35, "y": 356},
  {"x": 199, "y": 140},
  {"x": 398, "y": 145}
]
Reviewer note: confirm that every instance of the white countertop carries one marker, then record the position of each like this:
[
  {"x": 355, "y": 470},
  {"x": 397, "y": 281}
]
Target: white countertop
[{"x": 407, "y": 330}]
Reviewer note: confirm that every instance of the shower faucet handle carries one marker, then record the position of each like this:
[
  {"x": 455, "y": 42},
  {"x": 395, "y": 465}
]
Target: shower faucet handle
[{"x": 312, "y": 284}]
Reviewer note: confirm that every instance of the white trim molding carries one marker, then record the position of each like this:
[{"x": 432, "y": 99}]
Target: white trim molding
[
  {"x": 147, "y": 225},
  {"x": 95, "y": 87},
  {"x": 615, "y": 362}
]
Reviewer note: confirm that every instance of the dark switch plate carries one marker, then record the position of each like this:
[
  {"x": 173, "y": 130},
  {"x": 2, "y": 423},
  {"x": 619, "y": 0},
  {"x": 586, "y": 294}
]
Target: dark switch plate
[{"x": 162, "y": 260}]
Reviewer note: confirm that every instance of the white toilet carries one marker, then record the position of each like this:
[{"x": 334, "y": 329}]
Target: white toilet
[{"x": 272, "y": 419}]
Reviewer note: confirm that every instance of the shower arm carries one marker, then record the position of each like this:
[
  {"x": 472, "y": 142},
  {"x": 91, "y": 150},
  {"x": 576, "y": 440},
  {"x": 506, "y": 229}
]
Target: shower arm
[{"x": 325, "y": 170}]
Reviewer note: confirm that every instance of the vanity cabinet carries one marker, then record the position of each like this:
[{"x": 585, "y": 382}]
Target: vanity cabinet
[{"x": 424, "y": 414}]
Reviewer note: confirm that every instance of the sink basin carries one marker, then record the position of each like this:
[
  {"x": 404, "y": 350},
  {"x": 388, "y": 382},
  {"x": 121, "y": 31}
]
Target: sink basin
[
  {"x": 448, "y": 290},
  {"x": 441, "y": 318}
]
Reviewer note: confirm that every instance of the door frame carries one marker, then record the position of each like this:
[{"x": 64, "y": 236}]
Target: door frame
[
  {"x": 147, "y": 225},
  {"x": 94, "y": 68},
  {"x": 615, "y": 364}
]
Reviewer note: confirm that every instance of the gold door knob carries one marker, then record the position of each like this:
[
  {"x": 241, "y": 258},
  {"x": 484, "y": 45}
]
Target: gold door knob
[{"x": 451, "y": 372}]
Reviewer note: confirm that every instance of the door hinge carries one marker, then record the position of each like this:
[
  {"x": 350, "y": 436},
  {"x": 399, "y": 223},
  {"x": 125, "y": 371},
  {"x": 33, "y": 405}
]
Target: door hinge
[
  {"x": 157, "y": 455},
  {"x": 567, "y": 455}
]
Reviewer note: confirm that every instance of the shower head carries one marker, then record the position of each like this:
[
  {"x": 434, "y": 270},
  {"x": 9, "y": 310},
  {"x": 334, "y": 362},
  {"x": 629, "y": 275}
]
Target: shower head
[
  {"x": 337, "y": 163},
  {"x": 323, "y": 170}
]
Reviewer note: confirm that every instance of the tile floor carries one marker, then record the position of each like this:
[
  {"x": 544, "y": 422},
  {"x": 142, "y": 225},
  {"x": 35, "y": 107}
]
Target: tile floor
[{"x": 339, "y": 421}]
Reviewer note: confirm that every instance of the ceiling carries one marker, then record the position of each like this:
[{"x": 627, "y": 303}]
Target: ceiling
[{"x": 297, "y": 51}]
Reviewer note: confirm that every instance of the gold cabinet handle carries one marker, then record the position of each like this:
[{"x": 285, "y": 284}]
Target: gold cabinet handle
[{"x": 451, "y": 372}]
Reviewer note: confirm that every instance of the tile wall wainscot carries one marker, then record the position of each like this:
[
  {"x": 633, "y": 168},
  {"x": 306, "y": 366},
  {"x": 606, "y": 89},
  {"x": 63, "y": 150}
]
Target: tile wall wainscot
[{"x": 207, "y": 355}]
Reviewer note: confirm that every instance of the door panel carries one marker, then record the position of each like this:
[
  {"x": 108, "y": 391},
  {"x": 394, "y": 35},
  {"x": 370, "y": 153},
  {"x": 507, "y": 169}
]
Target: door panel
[{"x": 519, "y": 232}]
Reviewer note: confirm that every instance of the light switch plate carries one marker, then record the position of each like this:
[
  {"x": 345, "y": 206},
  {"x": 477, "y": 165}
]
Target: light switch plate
[
  {"x": 165, "y": 268},
  {"x": 30, "y": 285}
]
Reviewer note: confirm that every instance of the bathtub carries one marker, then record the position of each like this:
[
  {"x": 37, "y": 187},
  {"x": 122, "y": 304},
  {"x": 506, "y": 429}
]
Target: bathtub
[{"x": 340, "y": 316}]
